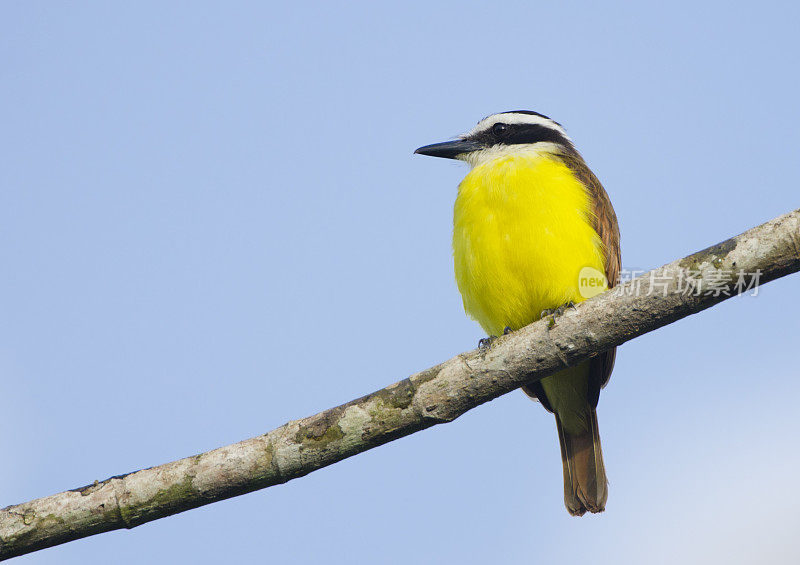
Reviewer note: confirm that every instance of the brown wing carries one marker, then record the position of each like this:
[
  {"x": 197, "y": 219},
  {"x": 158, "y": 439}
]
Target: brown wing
[{"x": 606, "y": 226}]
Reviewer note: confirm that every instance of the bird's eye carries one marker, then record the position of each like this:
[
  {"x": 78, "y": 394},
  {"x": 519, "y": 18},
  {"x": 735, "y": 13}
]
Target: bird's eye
[{"x": 500, "y": 129}]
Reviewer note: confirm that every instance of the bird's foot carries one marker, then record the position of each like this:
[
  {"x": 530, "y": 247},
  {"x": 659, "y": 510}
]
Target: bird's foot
[
  {"x": 485, "y": 344},
  {"x": 557, "y": 311},
  {"x": 554, "y": 312}
]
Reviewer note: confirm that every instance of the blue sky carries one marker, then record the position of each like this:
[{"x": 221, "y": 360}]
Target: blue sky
[{"x": 211, "y": 222}]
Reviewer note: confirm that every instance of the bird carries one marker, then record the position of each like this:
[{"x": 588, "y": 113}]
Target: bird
[{"x": 530, "y": 220}]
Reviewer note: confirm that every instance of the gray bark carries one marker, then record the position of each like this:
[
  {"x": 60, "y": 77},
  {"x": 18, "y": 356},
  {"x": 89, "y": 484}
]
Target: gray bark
[{"x": 436, "y": 395}]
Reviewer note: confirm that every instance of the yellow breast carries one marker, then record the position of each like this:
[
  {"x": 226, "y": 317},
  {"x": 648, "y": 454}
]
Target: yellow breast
[{"x": 523, "y": 230}]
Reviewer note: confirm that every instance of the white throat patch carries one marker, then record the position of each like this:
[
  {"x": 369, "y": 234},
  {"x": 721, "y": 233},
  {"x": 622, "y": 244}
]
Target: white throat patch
[{"x": 476, "y": 158}]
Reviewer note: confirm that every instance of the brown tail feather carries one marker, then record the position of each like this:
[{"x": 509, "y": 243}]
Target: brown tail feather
[{"x": 585, "y": 483}]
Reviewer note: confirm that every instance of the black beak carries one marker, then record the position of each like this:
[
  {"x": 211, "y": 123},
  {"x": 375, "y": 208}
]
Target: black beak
[{"x": 449, "y": 149}]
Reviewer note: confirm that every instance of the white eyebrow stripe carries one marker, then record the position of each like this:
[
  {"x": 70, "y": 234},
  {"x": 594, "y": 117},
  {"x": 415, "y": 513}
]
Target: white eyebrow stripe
[{"x": 514, "y": 118}]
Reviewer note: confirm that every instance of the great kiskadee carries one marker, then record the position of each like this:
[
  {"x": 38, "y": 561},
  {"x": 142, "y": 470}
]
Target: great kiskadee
[{"x": 530, "y": 220}]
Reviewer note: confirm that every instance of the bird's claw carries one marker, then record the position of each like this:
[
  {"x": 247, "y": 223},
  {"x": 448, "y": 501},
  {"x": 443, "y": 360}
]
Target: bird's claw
[
  {"x": 554, "y": 312},
  {"x": 486, "y": 343}
]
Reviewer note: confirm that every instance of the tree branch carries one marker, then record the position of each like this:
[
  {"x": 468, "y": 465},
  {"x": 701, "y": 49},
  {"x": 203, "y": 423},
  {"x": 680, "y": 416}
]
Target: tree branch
[{"x": 439, "y": 394}]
